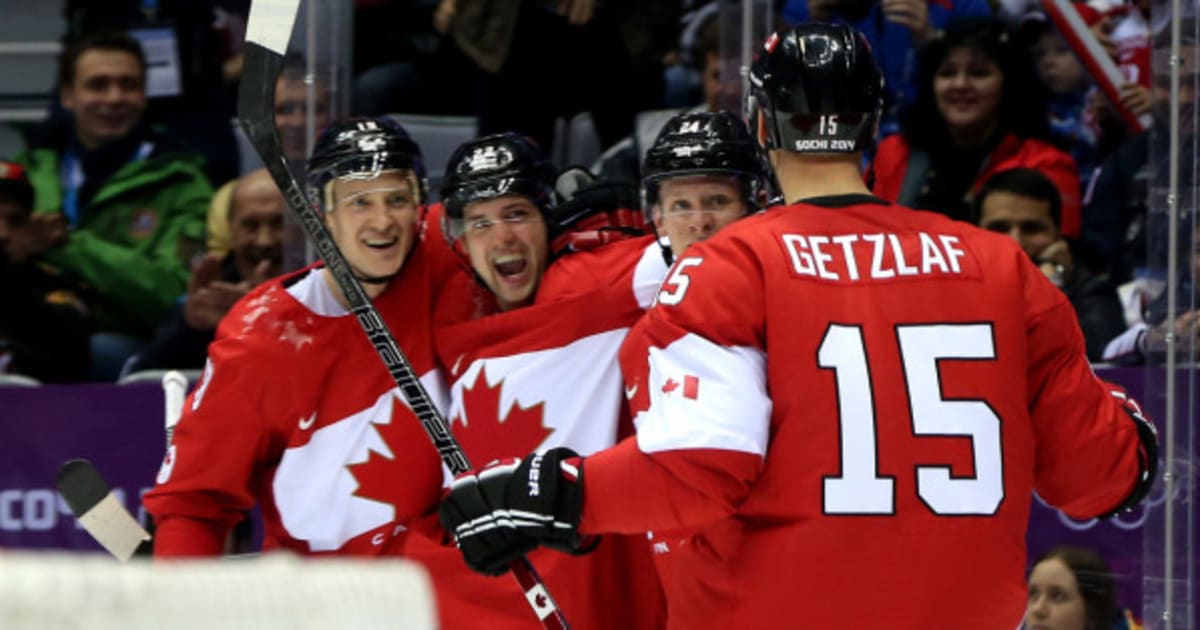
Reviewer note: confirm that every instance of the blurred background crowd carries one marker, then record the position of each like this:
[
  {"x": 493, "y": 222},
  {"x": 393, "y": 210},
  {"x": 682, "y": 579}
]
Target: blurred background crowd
[{"x": 132, "y": 214}]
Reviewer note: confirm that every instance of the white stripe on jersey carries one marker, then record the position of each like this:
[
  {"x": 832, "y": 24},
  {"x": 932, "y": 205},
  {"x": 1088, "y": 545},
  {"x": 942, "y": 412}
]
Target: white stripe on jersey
[
  {"x": 648, "y": 275},
  {"x": 728, "y": 407}
]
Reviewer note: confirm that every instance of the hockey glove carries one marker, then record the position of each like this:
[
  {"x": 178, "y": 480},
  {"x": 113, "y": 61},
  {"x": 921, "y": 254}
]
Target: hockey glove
[
  {"x": 475, "y": 515},
  {"x": 545, "y": 499},
  {"x": 1147, "y": 452},
  {"x": 508, "y": 509}
]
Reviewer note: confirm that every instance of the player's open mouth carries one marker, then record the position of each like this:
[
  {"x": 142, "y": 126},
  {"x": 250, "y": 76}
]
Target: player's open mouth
[
  {"x": 510, "y": 266},
  {"x": 380, "y": 244}
]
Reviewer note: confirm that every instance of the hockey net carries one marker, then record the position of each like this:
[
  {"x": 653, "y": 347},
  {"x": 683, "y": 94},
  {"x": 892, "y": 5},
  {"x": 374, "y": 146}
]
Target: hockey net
[{"x": 51, "y": 591}]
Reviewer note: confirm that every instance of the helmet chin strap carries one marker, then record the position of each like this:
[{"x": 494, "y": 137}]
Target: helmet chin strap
[{"x": 667, "y": 254}]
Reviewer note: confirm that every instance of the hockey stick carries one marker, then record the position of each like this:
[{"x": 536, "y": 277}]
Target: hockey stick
[
  {"x": 174, "y": 385},
  {"x": 267, "y": 33},
  {"x": 99, "y": 510},
  {"x": 93, "y": 503}
]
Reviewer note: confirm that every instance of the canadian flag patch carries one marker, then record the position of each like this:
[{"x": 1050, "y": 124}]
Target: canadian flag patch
[{"x": 691, "y": 387}]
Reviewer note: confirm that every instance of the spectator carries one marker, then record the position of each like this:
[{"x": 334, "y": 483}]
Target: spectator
[
  {"x": 684, "y": 75},
  {"x": 978, "y": 111},
  {"x": 1066, "y": 83},
  {"x": 132, "y": 202},
  {"x": 1024, "y": 204},
  {"x": 197, "y": 100},
  {"x": 404, "y": 63},
  {"x": 43, "y": 323},
  {"x": 218, "y": 281},
  {"x": 1146, "y": 337},
  {"x": 1116, "y": 216},
  {"x": 1071, "y": 588},
  {"x": 897, "y": 29},
  {"x": 527, "y": 47},
  {"x": 623, "y": 160},
  {"x": 291, "y": 120}
]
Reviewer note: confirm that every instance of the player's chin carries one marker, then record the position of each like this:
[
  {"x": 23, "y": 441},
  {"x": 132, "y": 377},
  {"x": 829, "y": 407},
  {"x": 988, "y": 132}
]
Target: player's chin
[
  {"x": 512, "y": 296},
  {"x": 382, "y": 263}
]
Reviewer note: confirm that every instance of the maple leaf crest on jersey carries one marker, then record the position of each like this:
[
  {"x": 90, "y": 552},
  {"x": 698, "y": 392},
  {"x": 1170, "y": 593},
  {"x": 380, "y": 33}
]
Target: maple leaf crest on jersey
[
  {"x": 377, "y": 475},
  {"x": 362, "y": 496},
  {"x": 481, "y": 413}
]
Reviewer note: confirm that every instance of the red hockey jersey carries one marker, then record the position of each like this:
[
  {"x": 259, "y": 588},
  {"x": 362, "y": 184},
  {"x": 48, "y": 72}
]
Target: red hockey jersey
[
  {"x": 297, "y": 413},
  {"x": 850, "y": 404},
  {"x": 538, "y": 377}
]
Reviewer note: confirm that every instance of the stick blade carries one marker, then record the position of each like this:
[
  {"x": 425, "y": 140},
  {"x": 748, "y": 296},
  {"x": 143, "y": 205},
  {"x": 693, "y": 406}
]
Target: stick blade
[
  {"x": 99, "y": 511},
  {"x": 81, "y": 485},
  {"x": 270, "y": 23}
]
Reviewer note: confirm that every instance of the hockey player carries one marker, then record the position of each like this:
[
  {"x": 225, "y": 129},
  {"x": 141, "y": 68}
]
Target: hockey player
[
  {"x": 703, "y": 172},
  {"x": 818, "y": 399},
  {"x": 295, "y": 411},
  {"x": 529, "y": 376}
]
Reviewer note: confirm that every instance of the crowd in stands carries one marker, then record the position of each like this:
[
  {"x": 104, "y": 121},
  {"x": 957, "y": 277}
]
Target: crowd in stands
[{"x": 118, "y": 255}]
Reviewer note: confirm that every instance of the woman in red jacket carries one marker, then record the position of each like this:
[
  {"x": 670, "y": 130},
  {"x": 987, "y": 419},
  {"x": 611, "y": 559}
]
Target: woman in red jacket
[{"x": 979, "y": 111}]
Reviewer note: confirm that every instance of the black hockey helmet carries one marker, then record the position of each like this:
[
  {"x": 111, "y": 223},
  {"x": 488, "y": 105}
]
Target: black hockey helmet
[
  {"x": 495, "y": 166},
  {"x": 705, "y": 143},
  {"x": 366, "y": 147},
  {"x": 817, "y": 89}
]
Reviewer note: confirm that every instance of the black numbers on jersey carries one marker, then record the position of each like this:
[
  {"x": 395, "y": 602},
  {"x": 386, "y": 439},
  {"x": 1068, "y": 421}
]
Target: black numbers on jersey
[{"x": 859, "y": 488}]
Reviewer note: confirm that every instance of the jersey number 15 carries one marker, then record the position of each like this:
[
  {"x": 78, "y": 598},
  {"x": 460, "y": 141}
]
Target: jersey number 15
[{"x": 859, "y": 488}]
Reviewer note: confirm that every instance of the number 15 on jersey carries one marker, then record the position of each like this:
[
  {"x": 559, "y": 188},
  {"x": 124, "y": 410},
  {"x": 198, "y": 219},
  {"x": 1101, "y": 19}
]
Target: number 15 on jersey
[{"x": 859, "y": 488}]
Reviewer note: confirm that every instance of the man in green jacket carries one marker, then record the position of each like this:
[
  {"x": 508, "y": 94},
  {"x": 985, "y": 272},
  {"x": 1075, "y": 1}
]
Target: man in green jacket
[{"x": 119, "y": 207}]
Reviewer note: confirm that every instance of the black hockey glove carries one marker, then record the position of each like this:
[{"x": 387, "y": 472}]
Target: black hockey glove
[
  {"x": 507, "y": 509},
  {"x": 1147, "y": 452}
]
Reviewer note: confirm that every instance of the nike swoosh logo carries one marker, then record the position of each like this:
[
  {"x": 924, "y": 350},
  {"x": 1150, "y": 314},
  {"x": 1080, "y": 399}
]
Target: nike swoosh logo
[
  {"x": 306, "y": 424},
  {"x": 630, "y": 392},
  {"x": 457, "y": 363}
]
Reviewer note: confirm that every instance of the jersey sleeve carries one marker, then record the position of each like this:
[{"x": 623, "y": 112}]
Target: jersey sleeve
[
  {"x": 1088, "y": 445},
  {"x": 208, "y": 478},
  {"x": 695, "y": 374}
]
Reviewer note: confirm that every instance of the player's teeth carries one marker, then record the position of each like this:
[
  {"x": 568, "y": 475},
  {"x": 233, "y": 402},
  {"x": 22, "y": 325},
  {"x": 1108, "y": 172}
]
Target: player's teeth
[{"x": 507, "y": 258}]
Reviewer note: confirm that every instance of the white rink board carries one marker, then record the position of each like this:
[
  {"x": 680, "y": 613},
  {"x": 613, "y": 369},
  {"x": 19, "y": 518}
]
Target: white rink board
[{"x": 277, "y": 592}]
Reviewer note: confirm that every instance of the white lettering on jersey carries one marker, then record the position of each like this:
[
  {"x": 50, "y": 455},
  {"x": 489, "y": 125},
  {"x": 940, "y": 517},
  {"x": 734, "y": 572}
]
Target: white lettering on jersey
[
  {"x": 898, "y": 253},
  {"x": 833, "y": 257},
  {"x": 877, "y": 270},
  {"x": 820, "y": 257},
  {"x": 931, "y": 255},
  {"x": 948, "y": 243},
  {"x": 847, "y": 241}
]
